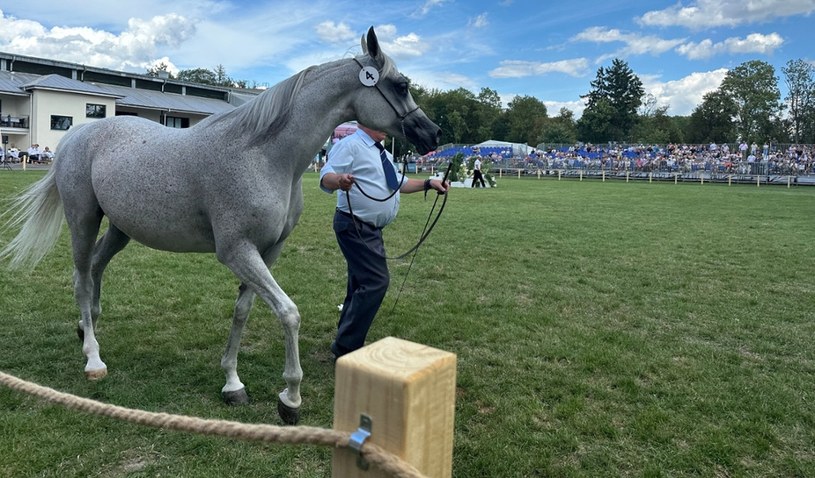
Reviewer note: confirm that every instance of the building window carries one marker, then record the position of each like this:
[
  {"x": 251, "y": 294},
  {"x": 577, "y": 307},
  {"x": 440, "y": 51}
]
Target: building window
[
  {"x": 61, "y": 122},
  {"x": 95, "y": 111},
  {"x": 176, "y": 122}
]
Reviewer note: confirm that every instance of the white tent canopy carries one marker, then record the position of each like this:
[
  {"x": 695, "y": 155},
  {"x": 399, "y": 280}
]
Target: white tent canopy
[{"x": 518, "y": 149}]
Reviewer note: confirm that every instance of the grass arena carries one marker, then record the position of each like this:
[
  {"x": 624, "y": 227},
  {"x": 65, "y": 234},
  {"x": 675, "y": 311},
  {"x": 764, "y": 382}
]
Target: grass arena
[{"x": 602, "y": 329}]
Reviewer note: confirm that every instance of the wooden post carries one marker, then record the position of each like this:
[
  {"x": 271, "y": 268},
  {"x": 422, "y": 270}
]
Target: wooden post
[
  {"x": 789, "y": 181},
  {"x": 519, "y": 173},
  {"x": 408, "y": 390},
  {"x": 581, "y": 174},
  {"x": 729, "y": 180},
  {"x": 558, "y": 174},
  {"x": 676, "y": 178},
  {"x": 626, "y": 176}
]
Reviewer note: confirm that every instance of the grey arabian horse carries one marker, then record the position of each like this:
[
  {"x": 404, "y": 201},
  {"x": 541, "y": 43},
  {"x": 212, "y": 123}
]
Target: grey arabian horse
[{"x": 230, "y": 185}]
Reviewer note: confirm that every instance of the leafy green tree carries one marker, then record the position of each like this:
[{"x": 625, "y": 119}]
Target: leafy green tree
[
  {"x": 712, "y": 121},
  {"x": 489, "y": 110},
  {"x": 560, "y": 129},
  {"x": 595, "y": 126},
  {"x": 198, "y": 75},
  {"x": 753, "y": 89},
  {"x": 799, "y": 76},
  {"x": 654, "y": 125},
  {"x": 156, "y": 70},
  {"x": 526, "y": 116},
  {"x": 221, "y": 78},
  {"x": 612, "y": 103}
]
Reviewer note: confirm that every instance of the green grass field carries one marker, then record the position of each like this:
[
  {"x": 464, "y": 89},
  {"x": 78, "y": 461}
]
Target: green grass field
[{"x": 602, "y": 329}]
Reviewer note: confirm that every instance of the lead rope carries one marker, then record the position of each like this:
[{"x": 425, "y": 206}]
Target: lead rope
[
  {"x": 422, "y": 237},
  {"x": 425, "y": 233}
]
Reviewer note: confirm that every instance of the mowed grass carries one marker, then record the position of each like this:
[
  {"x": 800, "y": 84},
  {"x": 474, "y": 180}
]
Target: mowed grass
[{"x": 602, "y": 329}]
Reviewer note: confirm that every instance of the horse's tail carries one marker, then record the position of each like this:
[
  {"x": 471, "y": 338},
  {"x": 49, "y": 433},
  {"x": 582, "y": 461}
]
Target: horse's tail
[{"x": 39, "y": 210}]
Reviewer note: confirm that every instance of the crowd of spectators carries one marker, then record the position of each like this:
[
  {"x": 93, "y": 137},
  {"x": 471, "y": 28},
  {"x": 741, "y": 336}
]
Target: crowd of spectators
[{"x": 716, "y": 158}]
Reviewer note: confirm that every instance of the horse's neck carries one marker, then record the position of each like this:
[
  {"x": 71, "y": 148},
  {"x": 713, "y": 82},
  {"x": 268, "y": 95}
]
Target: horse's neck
[{"x": 322, "y": 104}]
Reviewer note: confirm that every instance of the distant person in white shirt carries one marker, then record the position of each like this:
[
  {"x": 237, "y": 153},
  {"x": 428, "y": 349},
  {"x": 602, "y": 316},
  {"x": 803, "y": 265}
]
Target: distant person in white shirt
[
  {"x": 34, "y": 153},
  {"x": 47, "y": 155}
]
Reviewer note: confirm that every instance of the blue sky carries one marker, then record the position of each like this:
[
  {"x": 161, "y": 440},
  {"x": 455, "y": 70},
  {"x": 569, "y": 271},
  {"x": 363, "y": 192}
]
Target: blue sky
[{"x": 549, "y": 50}]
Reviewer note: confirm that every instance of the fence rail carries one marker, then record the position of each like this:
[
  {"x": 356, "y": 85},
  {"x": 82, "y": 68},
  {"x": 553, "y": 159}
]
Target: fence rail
[{"x": 788, "y": 180}]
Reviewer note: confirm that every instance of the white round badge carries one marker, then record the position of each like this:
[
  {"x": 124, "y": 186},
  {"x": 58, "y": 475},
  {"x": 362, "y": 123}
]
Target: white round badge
[{"x": 368, "y": 76}]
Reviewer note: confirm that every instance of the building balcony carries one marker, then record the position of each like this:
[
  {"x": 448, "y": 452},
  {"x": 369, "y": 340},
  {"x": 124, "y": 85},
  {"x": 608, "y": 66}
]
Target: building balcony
[{"x": 11, "y": 121}]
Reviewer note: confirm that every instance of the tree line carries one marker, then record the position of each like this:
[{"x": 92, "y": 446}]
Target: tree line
[{"x": 747, "y": 106}]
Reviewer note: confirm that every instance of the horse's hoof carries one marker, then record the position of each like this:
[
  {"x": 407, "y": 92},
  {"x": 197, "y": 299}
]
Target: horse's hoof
[
  {"x": 94, "y": 375},
  {"x": 236, "y": 397},
  {"x": 289, "y": 415}
]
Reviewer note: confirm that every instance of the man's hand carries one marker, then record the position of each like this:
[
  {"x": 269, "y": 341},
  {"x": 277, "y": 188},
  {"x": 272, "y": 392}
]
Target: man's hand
[
  {"x": 345, "y": 181},
  {"x": 334, "y": 181},
  {"x": 439, "y": 185}
]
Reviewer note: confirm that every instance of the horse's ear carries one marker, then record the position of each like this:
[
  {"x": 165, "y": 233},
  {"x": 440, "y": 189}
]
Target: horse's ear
[
  {"x": 372, "y": 47},
  {"x": 364, "y": 45}
]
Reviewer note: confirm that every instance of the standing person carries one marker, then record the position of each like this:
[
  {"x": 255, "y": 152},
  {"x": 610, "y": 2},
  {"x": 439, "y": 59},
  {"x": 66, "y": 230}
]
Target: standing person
[
  {"x": 361, "y": 159},
  {"x": 477, "y": 173}
]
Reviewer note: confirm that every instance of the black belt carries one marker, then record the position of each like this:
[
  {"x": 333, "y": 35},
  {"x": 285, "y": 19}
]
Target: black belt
[{"x": 355, "y": 218}]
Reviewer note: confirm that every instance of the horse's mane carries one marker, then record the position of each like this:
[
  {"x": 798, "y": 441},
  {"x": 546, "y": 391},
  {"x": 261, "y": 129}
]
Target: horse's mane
[{"x": 269, "y": 112}]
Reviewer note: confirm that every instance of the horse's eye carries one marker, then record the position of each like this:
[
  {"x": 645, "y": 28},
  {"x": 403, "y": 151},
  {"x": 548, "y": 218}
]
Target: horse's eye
[{"x": 403, "y": 88}]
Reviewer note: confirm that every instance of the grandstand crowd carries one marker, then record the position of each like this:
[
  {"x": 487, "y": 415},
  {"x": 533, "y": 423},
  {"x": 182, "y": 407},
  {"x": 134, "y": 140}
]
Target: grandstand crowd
[{"x": 681, "y": 158}]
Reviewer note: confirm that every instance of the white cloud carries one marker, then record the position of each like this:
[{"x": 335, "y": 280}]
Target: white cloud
[
  {"x": 135, "y": 48},
  {"x": 753, "y": 43},
  {"x": 684, "y": 94},
  {"x": 442, "y": 80},
  {"x": 427, "y": 6},
  {"x": 331, "y": 32},
  {"x": 712, "y": 13},
  {"x": 553, "y": 107},
  {"x": 517, "y": 68},
  {"x": 635, "y": 44},
  {"x": 400, "y": 47},
  {"x": 480, "y": 21}
]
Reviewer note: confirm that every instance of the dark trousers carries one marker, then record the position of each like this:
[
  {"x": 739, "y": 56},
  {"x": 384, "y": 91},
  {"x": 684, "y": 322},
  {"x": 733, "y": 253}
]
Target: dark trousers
[
  {"x": 368, "y": 280},
  {"x": 476, "y": 178}
]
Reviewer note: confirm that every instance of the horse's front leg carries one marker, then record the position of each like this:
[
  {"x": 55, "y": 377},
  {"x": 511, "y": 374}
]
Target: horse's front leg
[
  {"x": 248, "y": 265},
  {"x": 234, "y": 392}
]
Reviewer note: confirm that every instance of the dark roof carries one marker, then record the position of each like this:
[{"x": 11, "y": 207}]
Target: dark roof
[
  {"x": 158, "y": 100},
  {"x": 12, "y": 83},
  {"x": 60, "y": 83}
]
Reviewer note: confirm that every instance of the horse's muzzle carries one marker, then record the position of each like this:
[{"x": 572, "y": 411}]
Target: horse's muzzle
[{"x": 423, "y": 133}]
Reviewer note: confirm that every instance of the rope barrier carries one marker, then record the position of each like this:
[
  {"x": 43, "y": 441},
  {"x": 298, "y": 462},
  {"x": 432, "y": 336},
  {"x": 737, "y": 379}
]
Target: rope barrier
[{"x": 372, "y": 453}]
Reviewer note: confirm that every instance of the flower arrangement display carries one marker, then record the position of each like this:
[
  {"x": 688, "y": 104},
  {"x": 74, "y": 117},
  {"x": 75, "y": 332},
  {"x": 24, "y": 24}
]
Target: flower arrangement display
[{"x": 462, "y": 169}]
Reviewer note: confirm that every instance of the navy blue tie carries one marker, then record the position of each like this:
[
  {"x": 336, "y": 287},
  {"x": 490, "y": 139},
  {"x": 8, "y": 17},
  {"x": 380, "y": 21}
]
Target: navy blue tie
[{"x": 390, "y": 173}]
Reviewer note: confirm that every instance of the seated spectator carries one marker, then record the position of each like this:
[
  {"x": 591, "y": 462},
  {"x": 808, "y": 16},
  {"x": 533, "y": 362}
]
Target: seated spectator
[
  {"x": 14, "y": 153},
  {"x": 34, "y": 153},
  {"x": 47, "y": 155}
]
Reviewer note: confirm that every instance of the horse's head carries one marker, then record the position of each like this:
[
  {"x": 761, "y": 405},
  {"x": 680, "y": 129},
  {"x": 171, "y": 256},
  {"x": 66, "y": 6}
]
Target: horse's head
[{"x": 387, "y": 105}]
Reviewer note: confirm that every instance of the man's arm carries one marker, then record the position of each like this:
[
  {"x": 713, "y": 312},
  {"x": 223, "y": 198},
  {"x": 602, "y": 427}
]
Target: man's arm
[
  {"x": 415, "y": 185},
  {"x": 334, "y": 181}
]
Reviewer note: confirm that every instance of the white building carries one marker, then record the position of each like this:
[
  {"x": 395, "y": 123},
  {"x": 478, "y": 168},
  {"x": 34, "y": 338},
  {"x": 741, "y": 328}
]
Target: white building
[{"x": 41, "y": 99}]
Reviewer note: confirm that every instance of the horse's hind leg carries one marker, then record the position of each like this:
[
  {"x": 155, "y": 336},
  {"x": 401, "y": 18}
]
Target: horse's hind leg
[
  {"x": 234, "y": 392},
  {"x": 84, "y": 225},
  {"x": 112, "y": 242}
]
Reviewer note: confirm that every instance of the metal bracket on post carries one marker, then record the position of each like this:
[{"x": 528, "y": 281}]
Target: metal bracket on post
[{"x": 358, "y": 439}]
